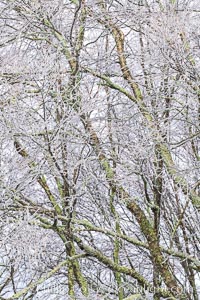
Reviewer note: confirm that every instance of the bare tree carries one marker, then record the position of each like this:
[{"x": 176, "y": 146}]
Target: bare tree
[{"x": 100, "y": 115}]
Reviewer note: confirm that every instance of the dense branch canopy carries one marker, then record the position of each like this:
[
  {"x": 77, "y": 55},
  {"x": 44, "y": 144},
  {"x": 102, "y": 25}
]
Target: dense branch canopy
[{"x": 100, "y": 153}]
